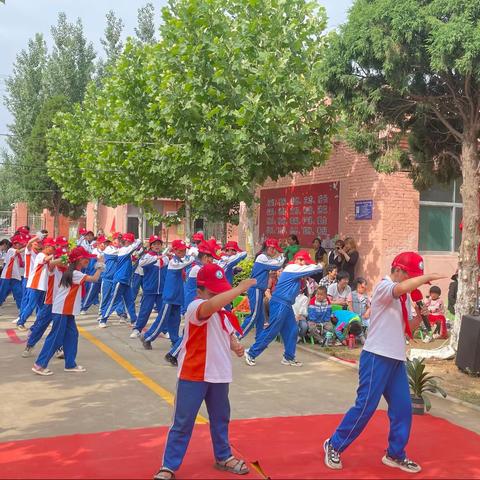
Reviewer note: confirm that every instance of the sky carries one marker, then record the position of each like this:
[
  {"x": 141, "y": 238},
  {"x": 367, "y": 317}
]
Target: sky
[{"x": 21, "y": 19}]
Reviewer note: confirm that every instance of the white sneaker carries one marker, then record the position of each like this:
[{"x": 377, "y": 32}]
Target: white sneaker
[
  {"x": 291, "y": 363},
  {"x": 27, "y": 352},
  {"x": 332, "y": 457},
  {"x": 427, "y": 339},
  {"x": 250, "y": 361},
  {"x": 102, "y": 325},
  {"x": 135, "y": 333},
  {"x": 164, "y": 335},
  {"x": 77, "y": 369},
  {"x": 83, "y": 312},
  {"x": 123, "y": 321},
  {"x": 16, "y": 320},
  {"x": 406, "y": 465}
]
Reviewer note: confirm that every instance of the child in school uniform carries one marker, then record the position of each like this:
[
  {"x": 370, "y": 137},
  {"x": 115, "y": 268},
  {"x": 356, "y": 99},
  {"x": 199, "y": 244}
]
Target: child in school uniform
[
  {"x": 154, "y": 265},
  {"x": 121, "y": 280},
  {"x": 173, "y": 297},
  {"x": 232, "y": 257},
  {"x": 56, "y": 267},
  {"x": 67, "y": 298},
  {"x": 382, "y": 369},
  {"x": 85, "y": 239},
  {"x": 205, "y": 372},
  {"x": 282, "y": 317},
  {"x": 11, "y": 278},
  {"x": 270, "y": 259},
  {"x": 37, "y": 281}
]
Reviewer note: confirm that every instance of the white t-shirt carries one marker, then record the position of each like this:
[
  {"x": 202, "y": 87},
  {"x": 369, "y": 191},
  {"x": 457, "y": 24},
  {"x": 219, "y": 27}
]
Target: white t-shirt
[
  {"x": 333, "y": 292},
  {"x": 68, "y": 300},
  {"x": 38, "y": 278},
  {"x": 205, "y": 351},
  {"x": 386, "y": 334}
]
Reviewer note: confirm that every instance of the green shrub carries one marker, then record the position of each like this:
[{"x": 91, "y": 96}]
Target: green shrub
[{"x": 246, "y": 266}]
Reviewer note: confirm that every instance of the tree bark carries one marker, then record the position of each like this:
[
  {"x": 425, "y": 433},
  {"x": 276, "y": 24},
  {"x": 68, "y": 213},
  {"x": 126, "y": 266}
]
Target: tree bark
[
  {"x": 250, "y": 212},
  {"x": 188, "y": 220},
  {"x": 96, "y": 222},
  {"x": 468, "y": 262},
  {"x": 56, "y": 215}
]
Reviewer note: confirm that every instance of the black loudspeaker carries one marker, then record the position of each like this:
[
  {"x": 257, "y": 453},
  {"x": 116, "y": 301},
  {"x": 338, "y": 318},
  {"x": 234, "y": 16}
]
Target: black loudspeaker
[{"x": 468, "y": 352}]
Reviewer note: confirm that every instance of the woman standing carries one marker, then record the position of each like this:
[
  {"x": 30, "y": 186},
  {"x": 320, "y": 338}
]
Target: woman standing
[
  {"x": 335, "y": 257},
  {"x": 293, "y": 246},
  {"x": 349, "y": 258}
]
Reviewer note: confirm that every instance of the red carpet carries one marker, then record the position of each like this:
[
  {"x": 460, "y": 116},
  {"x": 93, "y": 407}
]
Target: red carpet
[{"x": 289, "y": 447}]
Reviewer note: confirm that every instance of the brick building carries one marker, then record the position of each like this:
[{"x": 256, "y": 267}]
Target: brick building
[{"x": 383, "y": 213}]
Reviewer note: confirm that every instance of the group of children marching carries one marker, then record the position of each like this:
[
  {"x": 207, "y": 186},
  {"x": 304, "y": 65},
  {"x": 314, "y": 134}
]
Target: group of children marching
[{"x": 196, "y": 281}]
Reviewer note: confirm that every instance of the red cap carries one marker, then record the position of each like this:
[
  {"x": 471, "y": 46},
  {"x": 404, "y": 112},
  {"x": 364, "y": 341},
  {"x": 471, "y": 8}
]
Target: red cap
[
  {"x": 154, "y": 238},
  {"x": 116, "y": 235},
  {"x": 209, "y": 249},
  {"x": 212, "y": 277},
  {"x": 102, "y": 239},
  {"x": 19, "y": 239},
  {"x": 129, "y": 237},
  {"x": 61, "y": 241},
  {"x": 231, "y": 245},
  {"x": 416, "y": 295},
  {"x": 83, "y": 231},
  {"x": 60, "y": 251},
  {"x": 179, "y": 245},
  {"x": 77, "y": 253},
  {"x": 49, "y": 242},
  {"x": 273, "y": 242},
  {"x": 410, "y": 262},
  {"x": 27, "y": 237},
  {"x": 304, "y": 255},
  {"x": 23, "y": 231},
  {"x": 198, "y": 237}
]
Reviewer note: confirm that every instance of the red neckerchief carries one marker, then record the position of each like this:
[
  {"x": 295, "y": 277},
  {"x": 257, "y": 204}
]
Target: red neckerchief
[
  {"x": 232, "y": 318},
  {"x": 21, "y": 263},
  {"x": 403, "y": 303}
]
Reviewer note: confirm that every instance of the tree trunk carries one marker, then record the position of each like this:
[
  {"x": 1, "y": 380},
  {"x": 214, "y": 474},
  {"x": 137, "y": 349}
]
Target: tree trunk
[
  {"x": 96, "y": 221},
  {"x": 468, "y": 262},
  {"x": 56, "y": 215},
  {"x": 188, "y": 220},
  {"x": 141, "y": 221},
  {"x": 250, "y": 212}
]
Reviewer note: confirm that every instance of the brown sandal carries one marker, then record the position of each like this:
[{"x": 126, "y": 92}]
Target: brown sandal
[
  {"x": 239, "y": 467},
  {"x": 160, "y": 475}
]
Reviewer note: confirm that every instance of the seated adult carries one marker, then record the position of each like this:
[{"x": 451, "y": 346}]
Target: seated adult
[{"x": 339, "y": 293}]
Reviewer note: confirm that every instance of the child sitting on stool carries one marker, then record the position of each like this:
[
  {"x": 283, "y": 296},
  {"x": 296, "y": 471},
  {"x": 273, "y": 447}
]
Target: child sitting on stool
[
  {"x": 436, "y": 315},
  {"x": 319, "y": 313}
]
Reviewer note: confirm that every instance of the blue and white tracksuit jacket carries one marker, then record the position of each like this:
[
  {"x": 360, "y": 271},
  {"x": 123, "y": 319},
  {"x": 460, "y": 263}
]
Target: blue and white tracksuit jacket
[
  {"x": 229, "y": 263},
  {"x": 154, "y": 272},
  {"x": 173, "y": 299},
  {"x": 282, "y": 317},
  {"x": 261, "y": 269}
]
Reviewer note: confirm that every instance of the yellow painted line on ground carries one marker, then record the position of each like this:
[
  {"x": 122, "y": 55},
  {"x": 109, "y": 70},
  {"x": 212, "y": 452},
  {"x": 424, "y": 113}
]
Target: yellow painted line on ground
[{"x": 134, "y": 371}]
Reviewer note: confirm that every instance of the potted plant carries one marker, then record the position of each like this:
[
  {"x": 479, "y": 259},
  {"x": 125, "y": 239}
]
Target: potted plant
[{"x": 421, "y": 382}]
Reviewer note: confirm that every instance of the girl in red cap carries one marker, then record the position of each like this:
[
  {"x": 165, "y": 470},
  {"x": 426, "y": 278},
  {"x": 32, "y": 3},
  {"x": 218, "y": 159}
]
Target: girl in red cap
[
  {"x": 11, "y": 277},
  {"x": 67, "y": 298},
  {"x": 382, "y": 365},
  {"x": 205, "y": 372},
  {"x": 269, "y": 259}
]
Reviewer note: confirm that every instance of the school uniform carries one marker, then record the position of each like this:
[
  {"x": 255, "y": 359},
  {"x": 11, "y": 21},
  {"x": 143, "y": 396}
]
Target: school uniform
[
  {"x": 173, "y": 299},
  {"x": 121, "y": 283},
  {"x": 154, "y": 272},
  {"x": 110, "y": 255},
  {"x": 262, "y": 267},
  {"x": 92, "y": 290},
  {"x": 282, "y": 317},
  {"x": 382, "y": 372},
  {"x": 11, "y": 277},
  {"x": 137, "y": 280},
  {"x": 66, "y": 305},
  {"x": 228, "y": 263},
  {"x": 204, "y": 374},
  {"x": 29, "y": 256},
  {"x": 44, "y": 315},
  {"x": 36, "y": 288}
]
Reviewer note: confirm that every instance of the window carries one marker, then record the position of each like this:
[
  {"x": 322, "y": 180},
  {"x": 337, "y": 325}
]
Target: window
[{"x": 440, "y": 217}]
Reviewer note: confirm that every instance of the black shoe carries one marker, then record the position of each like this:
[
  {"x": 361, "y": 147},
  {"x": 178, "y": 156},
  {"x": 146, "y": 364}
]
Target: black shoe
[
  {"x": 146, "y": 344},
  {"x": 171, "y": 359}
]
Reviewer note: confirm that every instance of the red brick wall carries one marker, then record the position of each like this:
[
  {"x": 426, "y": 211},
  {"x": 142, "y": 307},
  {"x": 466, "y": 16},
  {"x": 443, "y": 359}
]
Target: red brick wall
[{"x": 394, "y": 224}]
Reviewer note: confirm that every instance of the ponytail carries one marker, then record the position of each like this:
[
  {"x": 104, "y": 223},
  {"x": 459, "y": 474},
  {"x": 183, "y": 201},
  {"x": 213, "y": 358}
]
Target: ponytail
[{"x": 67, "y": 277}]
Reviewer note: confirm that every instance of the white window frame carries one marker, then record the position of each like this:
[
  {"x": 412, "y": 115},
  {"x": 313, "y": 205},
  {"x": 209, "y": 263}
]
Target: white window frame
[{"x": 453, "y": 205}]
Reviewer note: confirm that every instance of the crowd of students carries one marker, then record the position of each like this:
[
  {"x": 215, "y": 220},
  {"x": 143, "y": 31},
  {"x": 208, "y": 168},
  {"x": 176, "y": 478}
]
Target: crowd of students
[{"x": 304, "y": 296}]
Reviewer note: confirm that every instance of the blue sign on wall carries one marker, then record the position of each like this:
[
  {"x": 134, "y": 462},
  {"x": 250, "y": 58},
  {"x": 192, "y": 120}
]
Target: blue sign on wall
[{"x": 363, "y": 209}]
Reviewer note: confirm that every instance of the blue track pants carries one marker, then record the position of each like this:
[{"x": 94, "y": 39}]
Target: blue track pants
[
  {"x": 379, "y": 376},
  {"x": 189, "y": 398},
  {"x": 282, "y": 321}
]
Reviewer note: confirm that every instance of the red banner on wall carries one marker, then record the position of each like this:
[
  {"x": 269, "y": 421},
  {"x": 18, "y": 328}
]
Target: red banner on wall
[{"x": 307, "y": 211}]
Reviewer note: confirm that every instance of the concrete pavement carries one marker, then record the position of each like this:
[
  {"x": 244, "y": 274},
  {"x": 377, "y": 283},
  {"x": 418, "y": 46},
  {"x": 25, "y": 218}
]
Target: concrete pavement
[{"x": 110, "y": 397}]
